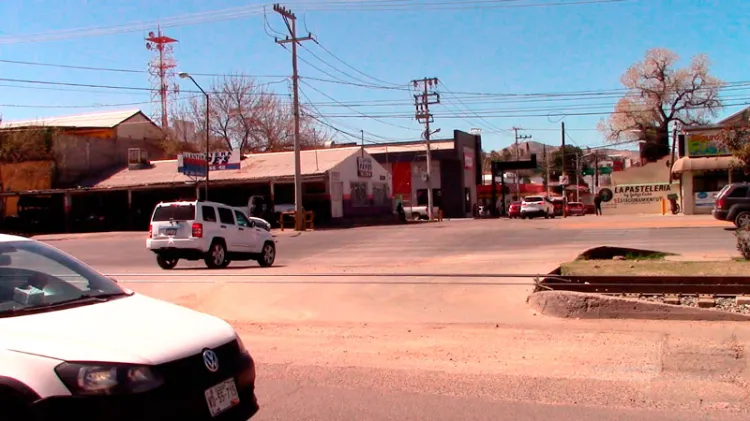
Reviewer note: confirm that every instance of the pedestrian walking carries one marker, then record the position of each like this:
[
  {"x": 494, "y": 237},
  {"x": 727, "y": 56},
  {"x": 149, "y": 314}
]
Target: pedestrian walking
[{"x": 598, "y": 204}]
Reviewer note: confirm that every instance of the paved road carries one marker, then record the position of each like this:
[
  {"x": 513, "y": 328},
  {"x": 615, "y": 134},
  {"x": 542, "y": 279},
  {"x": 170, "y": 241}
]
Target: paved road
[
  {"x": 403, "y": 348},
  {"x": 458, "y": 246}
]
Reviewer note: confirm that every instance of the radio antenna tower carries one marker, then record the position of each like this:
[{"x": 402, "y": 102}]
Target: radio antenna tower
[{"x": 161, "y": 74}]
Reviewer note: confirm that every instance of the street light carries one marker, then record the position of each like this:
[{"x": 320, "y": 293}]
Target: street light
[{"x": 184, "y": 75}]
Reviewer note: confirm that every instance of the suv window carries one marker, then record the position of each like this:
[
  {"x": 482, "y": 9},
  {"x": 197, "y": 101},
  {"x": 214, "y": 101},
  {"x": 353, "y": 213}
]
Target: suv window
[
  {"x": 241, "y": 220},
  {"x": 209, "y": 213},
  {"x": 738, "y": 192},
  {"x": 175, "y": 212},
  {"x": 226, "y": 216}
]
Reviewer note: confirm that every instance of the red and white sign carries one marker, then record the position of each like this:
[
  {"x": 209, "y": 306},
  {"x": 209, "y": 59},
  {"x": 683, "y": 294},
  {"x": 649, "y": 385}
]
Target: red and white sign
[{"x": 468, "y": 158}]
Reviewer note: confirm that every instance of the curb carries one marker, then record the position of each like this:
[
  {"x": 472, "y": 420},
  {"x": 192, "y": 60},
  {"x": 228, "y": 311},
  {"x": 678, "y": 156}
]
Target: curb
[
  {"x": 578, "y": 305},
  {"x": 89, "y": 236}
]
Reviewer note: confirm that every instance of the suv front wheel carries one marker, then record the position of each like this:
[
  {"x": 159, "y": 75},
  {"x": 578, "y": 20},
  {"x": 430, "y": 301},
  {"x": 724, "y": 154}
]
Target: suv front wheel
[{"x": 217, "y": 256}]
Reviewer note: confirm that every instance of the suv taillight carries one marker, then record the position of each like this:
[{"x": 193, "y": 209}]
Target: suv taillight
[
  {"x": 197, "y": 230},
  {"x": 150, "y": 231},
  {"x": 720, "y": 203}
]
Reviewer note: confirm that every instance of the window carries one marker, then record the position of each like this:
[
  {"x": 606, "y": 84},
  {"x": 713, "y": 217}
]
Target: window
[
  {"x": 437, "y": 199},
  {"x": 359, "y": 194},
  {"x": 209, "y": 213},
  {"x": 710, "y": 181},
  {"x": 738, "y": 192},
  {"x": 175, "y": 212},
  {"x": 241, "y": 220},
  {"x": 226, "y": 216},
  {"x": 379, "y": 194}
]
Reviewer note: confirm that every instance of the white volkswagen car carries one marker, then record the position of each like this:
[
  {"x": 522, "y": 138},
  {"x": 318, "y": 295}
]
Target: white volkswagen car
[{"x": 76, "y": 345}]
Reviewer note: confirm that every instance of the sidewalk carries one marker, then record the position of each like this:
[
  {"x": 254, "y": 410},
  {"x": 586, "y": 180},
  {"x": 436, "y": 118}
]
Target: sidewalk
[{"x": 641, "y": 221}]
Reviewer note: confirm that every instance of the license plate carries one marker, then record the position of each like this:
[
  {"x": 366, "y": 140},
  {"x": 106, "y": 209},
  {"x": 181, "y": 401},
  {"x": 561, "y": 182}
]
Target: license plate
[
  {"x": 171, "y": 231},
  {"x": 222, "y": 397}
]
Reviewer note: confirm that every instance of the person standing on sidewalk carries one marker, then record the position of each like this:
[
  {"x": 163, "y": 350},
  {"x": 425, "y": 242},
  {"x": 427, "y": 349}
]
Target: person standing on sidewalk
[{"x": 598, "y": 204}]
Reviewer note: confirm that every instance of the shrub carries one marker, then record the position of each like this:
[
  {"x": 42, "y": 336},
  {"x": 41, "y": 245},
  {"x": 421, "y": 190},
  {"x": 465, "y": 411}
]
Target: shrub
[{"x": 743, "y": 241}]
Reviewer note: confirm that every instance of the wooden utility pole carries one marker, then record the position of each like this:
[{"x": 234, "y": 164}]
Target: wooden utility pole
[
  {"x": 290, "y": 20},
  {"x": 422, "y": 101},
  {"x": 546, "y": 169},
  {"x": 564, "y": 173},
  {"x": 517, "y": 137}
]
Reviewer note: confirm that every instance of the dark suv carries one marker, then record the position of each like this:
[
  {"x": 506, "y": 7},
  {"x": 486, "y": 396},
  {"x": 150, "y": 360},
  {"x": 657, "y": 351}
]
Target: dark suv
[{"x": 733, "y": 204}]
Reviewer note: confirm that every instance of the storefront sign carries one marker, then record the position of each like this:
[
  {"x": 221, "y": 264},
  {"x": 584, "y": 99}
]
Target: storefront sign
[
  {"x": 705, "y": 145},
  {"x": 194, "y": 164},
  {"x": 468, "y": 158},
  {"x": 364, "y": 167},
  {"x": 639, "y": 194},
  {"x": 705, "y": 198}
]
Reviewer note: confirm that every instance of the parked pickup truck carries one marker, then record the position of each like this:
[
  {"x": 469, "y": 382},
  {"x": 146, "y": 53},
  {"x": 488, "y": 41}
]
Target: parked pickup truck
[{"x": 417, "y": 213}]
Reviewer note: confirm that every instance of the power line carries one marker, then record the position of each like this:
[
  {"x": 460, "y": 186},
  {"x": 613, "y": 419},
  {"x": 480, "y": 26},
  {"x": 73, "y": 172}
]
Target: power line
[
  {"x": 358, "y": 112},
  {"x": 352, "y": 67},
  {"x": 137, "y": 71},
  {"x": 257, "y": 10}
]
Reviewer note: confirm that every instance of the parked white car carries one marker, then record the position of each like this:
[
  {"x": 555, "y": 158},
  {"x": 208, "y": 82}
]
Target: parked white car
[
  {"x": 259, "y": 222},
  {"x": 210, "y": 231},
  {"x": 532, "y": 206},
  {"x": 76, "y": 345}
]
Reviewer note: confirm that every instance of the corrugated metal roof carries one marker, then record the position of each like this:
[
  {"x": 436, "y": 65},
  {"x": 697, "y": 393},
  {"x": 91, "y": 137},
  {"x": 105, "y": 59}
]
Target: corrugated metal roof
[
  {"x": 104, "y": 120},
  {"x": 254, "y": 167},
  {"x": 409, "y": 147}
]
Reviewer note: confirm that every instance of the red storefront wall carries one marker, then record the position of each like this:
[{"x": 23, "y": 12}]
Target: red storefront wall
[{"x": 402, "y": 179}]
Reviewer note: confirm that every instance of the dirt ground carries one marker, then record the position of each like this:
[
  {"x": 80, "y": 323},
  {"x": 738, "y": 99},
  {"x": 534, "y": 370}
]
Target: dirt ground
[{"x": 655, "y": 267}]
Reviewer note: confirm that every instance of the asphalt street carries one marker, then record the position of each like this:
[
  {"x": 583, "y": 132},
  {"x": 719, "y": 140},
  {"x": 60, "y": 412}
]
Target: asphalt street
[
  {"x": 364, "y": 343},
  {"x": 461, "y": 246}
]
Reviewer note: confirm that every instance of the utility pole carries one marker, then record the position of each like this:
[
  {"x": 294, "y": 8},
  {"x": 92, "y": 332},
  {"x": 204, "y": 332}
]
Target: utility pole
[
  {"x": 546, "y": 169},
  {"x": 517, "y": 137},
  {"x": 596, "y": 173},
  {"x": 564, "y": 173},
  {"x": 291, "y": 24},
  {"x": 578, "y": 182},
  {"x": 422, "y": 101}
]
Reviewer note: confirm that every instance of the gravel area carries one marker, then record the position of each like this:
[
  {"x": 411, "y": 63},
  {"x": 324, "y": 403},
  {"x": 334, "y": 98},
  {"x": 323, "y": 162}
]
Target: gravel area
[{"x": 722, "y": 303}]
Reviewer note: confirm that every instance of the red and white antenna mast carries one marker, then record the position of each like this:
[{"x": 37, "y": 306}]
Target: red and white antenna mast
[{"x": 161, "y": 71}]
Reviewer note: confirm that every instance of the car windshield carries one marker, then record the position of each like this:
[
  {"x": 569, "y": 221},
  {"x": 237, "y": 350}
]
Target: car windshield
[{"x": 34, "y": 276}]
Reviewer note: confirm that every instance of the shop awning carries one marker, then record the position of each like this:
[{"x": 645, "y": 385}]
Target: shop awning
[{"x": 709, "y": 163}]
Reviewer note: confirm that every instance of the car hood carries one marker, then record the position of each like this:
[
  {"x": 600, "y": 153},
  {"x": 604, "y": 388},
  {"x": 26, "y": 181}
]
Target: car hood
[{"x": 135, "y": 329}]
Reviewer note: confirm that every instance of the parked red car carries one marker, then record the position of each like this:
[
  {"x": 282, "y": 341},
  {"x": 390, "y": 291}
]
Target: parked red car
[
  {"x": 575, "y": 209},
  {"x": 514, "y": 210}
]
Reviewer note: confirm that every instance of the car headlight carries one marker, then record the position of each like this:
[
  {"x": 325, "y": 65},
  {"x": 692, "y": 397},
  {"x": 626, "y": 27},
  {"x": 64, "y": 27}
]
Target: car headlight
[{"x": 107, "y": 379}]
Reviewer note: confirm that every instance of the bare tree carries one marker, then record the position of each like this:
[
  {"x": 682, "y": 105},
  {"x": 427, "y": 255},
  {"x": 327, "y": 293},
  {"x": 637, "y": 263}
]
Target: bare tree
[
  {"x": 247, "y": 117},
  {"x": 659, "y": 94}
]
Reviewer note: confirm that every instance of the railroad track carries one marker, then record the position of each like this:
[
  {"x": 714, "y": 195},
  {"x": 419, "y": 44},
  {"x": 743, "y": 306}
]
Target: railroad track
[{"x": 717, "y": 286}]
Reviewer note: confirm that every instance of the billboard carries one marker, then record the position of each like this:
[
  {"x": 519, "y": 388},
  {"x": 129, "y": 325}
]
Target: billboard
[{"x": 194, "y": 164}]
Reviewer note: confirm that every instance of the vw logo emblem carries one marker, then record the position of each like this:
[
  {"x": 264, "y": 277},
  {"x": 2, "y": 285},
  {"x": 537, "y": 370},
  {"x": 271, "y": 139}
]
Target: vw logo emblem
[{"x": 211, "y": 360}]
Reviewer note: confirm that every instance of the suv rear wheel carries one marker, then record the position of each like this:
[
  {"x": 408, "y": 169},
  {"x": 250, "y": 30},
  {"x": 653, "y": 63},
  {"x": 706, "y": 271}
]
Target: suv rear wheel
[
  {"x": 217, "y": 255},
  {"x": 166, "y": 263},
  {"x": 742, "y": 219}
]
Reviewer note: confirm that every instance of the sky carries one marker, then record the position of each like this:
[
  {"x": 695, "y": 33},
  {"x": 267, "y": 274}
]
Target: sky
[{"x": 484, "y": 53}]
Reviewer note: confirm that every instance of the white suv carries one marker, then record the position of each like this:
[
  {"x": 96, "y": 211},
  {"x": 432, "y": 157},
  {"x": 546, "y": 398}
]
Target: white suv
[
  {"x": 532, "y": 206},
  {"x": 76, "y": 345},
  {"x": 210, "y": 231}
]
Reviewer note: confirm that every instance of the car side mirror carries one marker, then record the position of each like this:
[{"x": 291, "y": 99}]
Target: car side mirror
[{"x": 252, "y": 224}]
